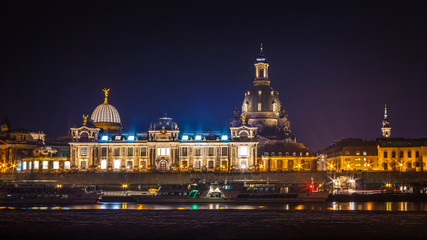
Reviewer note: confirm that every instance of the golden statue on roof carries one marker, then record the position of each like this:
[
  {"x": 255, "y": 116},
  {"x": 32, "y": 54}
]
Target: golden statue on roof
[
  {"x": 85, "y": 119},
  {"x": 106, "y": 95},
  {"x": 243, "y": 118}
]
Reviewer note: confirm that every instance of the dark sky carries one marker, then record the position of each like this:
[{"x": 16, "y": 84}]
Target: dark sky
[{"x": 334, "y": 64}]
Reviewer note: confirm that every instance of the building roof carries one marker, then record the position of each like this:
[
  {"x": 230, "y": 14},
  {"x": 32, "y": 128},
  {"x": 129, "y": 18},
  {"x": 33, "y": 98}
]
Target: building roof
[{"x": 105, "y": 113}]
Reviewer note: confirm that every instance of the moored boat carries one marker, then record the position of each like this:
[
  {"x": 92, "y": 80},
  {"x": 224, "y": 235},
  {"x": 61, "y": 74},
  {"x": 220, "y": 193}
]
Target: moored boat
[
  {"x": 232, "y": 193},
  {"x": 45, "y": 194}
]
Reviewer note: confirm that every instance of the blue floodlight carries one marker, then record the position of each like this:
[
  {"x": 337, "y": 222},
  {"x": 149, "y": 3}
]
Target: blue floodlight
[
  {"x": 185, "y": 137},
  {"x": 131, "y": 138},
  {"x": 198, "y": 137},
  {"x": 104, "y": 138},
  {"x": 224, "y": 138}
]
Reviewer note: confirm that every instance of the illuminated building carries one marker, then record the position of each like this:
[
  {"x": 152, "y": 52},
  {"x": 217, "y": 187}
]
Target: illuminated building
[
  {"x": 402, "y": 155},
  {"x": 162, "y": 148},
  {"x": 278, "y": 149},
  {"x": 383, "y": 154},
  {"x": 24, "y": 150},
  {"x": 16, "y": 144},
  {"x": 351, "y": 154}
]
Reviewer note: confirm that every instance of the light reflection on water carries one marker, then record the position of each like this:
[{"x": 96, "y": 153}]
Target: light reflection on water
[{"x": 330, "y": 206}]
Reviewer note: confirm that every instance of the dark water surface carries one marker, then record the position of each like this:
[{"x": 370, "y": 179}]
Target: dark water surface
[{"x": 397, "y": 220}]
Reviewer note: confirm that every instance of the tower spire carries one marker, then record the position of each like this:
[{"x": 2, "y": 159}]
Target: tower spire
[
  {"x": 386, "y": 129},
  {"x": 385, "y": 112},
  {"x": 261, "y": 69}
]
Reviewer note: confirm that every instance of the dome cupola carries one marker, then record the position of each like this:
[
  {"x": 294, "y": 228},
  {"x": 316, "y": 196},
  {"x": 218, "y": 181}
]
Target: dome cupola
[{"x": 106, "y": 116}]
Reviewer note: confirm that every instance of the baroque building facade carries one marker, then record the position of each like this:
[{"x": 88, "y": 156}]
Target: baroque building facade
[{"x": 163, "y": 148}]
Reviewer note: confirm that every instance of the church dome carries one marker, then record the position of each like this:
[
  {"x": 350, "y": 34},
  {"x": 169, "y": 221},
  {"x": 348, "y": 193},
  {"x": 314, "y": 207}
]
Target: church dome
[
  {"x": 106, "y": 116},
  {"x": 261, "y": 99}
]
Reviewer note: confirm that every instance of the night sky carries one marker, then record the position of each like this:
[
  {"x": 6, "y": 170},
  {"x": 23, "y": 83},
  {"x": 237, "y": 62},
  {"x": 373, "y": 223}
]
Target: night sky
[{"x": 335, "y": 65}]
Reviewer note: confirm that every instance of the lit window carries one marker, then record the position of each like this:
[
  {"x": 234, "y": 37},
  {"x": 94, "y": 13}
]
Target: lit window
[
  {"x": 118, "y": 138},
  {"x": 56, "y": 165},
  {"x": 243, "y": 163},
  {"x": 259, "y": 92},
  {"x": 243, "y": 151},
  {"x": 364, "y": 153},
  {"x": 116, "y": 164},
  {"x": 83, "y": 151},
  {"x": 24, "y": 166},
  {"x": 30, "y": 164},
  {"x": 274, "y": 107},
  {"x": 185, "y": 138},
  {"x": 36, "y": 164},
  {"x": 45, "y": 164},
  {"x": 103, "y": 164},
  {"x": 163, "y": 151},
  {"x": 104, "y": 138},
  {"x": 131, "y": 138},
  {"x": 224, "y": 137},
  {"x": 198, "y": 137},
  {"x": 197, "y": 165},
  {"x": 83, "y": 164},
  {"x": 67, "y": 165},
  {"x": 259, "y": 106}
]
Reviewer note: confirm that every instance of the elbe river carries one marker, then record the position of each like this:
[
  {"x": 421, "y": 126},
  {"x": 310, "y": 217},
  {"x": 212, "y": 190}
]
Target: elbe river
[{"x": 331, "y": 220}]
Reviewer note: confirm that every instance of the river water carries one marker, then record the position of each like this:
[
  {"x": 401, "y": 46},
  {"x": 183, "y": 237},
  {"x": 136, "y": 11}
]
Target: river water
[
  {"x": 330, "y": 206},
  {"x": 352, "y": 220}
]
